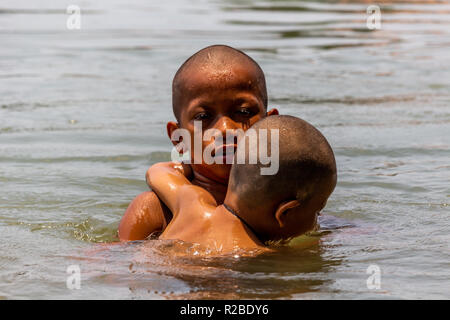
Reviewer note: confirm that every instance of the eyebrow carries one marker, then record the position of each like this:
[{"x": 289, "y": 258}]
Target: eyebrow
[
  {"x": 197, "y": 102},
  {"x": 241, "y": 98},
  {"x": 247, "y": 100}
]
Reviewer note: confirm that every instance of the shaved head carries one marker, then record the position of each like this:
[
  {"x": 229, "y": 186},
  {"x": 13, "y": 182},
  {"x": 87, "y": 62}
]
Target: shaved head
[
  {"x": 218, "y": 66},
  {"x": 307, "y": 166}
]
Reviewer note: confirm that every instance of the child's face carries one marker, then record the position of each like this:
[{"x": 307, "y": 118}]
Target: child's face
[{"x": 221, "y": 99}]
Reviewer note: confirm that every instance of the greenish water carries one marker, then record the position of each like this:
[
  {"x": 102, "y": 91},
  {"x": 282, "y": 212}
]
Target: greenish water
[{"x": 83, "y": 113}]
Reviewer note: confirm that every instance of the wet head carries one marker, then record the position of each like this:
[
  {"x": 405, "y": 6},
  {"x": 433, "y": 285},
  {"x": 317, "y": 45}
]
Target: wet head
[
  {"x": 224, "y": 89},
  {"x": 285, "y": 204}
]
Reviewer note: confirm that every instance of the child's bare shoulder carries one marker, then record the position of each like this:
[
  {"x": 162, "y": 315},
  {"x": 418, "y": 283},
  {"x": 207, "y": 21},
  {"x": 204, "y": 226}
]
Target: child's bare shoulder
[{"x": 197, "y": 194}]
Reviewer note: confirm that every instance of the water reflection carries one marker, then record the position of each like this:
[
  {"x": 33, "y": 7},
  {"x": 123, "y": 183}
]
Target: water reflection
[
  {"x": 77, "y": 133},
  {"x": 171, "y": 269}
]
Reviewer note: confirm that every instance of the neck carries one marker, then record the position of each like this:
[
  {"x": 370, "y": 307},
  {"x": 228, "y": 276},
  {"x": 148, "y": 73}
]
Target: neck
[
  {"x": 257, "y": 223},
  {"x": 242, "y": 231},
  {"x": 218, "y": 189}
]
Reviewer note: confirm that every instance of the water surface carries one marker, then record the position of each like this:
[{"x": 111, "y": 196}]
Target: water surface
[{"x": 83, "y": 114}]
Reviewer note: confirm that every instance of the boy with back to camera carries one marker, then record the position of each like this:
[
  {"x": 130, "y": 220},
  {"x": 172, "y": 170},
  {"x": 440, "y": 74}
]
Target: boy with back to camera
[{"x": 257, "y": 208}]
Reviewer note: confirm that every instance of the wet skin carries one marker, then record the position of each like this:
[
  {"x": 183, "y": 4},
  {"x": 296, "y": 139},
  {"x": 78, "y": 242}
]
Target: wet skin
[{"x": 225, "y": 99}]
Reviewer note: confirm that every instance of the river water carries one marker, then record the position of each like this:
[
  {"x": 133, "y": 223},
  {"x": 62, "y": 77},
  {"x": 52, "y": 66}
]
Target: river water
[{"x": 83, "y": 114}]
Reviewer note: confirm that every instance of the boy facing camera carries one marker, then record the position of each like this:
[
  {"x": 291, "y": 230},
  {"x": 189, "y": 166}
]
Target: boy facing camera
[
  {"x": 258, "y": 208},
  {"x": 222, "y": 88}
]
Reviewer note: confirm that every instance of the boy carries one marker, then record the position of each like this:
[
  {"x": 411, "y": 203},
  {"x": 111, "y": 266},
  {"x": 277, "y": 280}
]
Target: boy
[
  {"x": 257, "y": 208},
  {"x": 224, "y": 89}
]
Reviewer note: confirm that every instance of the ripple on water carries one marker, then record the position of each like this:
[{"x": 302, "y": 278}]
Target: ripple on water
[{"x": 83, "y": 115}]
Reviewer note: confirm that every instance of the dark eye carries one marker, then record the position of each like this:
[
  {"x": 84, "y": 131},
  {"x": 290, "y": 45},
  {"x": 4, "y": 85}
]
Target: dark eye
[
  {"x": 202, "y": 116},
  {"x": 244, "y": 112}
]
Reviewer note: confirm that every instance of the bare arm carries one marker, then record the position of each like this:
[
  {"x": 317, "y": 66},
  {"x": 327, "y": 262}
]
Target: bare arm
[
  {"x": 167, "y": 179},
  {"x": 145, "y": 214}
]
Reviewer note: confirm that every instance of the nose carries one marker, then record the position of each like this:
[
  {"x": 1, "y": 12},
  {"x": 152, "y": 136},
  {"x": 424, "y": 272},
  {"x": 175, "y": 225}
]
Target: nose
[
  {"x": 228, "y": 128},
  {"x": 225, "y": 123}
]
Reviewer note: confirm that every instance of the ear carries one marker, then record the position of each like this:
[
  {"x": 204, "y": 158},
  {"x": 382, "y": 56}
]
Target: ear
[
  {"x": 282, "y": 211},
  {"x": 171, "y": 127},
  {"x": 272, "y": 112}
]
